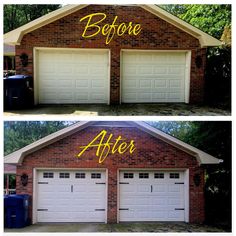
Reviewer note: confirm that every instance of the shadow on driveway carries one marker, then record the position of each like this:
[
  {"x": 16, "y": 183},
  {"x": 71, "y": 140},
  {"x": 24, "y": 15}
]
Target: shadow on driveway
[
  {"x": 122, "y": 227},
  {"x": 176, "y": 109}
]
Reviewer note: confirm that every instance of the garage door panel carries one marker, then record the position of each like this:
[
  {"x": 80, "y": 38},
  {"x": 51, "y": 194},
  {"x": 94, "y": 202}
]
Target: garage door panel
[
  {"x": 74, "y": 197},
  {"x": 154, "y": 70},
  {"x": 86, "y": 70},
  {"x": 153, "y": 197}
]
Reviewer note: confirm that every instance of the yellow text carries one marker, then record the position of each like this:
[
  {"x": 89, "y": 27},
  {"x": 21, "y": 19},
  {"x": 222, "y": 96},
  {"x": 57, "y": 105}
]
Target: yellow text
[
  {"x": 108, "y": 30},
  {"x": 104, "y": 147}
]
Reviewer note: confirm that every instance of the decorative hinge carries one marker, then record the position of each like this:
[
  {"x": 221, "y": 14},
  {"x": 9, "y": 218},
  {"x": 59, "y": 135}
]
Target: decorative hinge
[
  {"x": 179, "y": 183},
  {"x": 123, "y": 209},
  {"x": 123, "y": 183},
  {"x": 42, "y": 182},
  {"x": 100, "y": 183},
  {"x": 179, "y": 209},
  {"x": 99, "y": 209},
  {"x": 42, "y": 209}
]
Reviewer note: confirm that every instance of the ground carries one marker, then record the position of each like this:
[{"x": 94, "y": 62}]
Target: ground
[
  {"x": 122, "y": 227},
  {"x": 160, "y": 109}
]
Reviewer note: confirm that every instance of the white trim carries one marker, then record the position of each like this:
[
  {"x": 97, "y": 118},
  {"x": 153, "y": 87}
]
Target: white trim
[
  {"x": 186, "y": 194},
  {"x": 36, "y": 61},
  {"x": 187, "y": 78},
  {"x": 35, "y": 187},
  {"x": 188, "y": 60},
  {"x": 118, "y": 196},
  {"x": 34, "y": 197},
  {"x": 186, "y": 187}
]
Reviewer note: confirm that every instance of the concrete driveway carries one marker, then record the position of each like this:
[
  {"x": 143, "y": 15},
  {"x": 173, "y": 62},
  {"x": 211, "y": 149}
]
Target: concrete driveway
[
  {"x": 122, "y": 110},
  {"x": 122, "y": 227}
]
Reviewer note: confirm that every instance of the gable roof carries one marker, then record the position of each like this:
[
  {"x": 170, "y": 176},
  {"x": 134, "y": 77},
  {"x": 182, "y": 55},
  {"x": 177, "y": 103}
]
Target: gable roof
[
  {"x": 14, "y": 37},
  {"x": 18, "y": 156}
]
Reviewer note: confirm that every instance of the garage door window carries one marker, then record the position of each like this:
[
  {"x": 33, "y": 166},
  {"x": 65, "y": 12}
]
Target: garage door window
[
  {"x": 174, "y": 175},
  {"x": 80, "y": 175},
  {"x": 64, "y": 175},
  {"x": 143, "y": 175},
  {"x": 96, "y": 176},
  {"x": 48, "y": 175},
  {"x": 159, "y": 175},
  {"x": 128, "y": 175}
]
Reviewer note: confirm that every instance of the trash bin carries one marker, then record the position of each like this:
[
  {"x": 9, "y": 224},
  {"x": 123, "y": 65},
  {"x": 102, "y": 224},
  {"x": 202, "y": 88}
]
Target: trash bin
[
  {"x": 5, "y": 210},
  {"x": 18, "y": 92},
  {"x": 17, "y": 211}
]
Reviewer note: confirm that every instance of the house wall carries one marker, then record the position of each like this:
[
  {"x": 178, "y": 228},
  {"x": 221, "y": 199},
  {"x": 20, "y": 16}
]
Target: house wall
[
  {"x": 156, "y": 34},
  {"x": 150, "y": 153}
]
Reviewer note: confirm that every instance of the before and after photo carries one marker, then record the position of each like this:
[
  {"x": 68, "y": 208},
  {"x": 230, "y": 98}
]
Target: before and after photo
[{"x": 95, "y": 101}]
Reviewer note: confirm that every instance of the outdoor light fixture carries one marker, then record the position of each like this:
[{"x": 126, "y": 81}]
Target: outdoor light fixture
[
  {"x": 24, "y": 59},
  {"x": 198, "y": 62},
  {"x": 197, "y": 179},
  {"x": 24, "y": 179}
]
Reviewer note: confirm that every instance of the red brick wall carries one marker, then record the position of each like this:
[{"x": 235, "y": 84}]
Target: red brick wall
[
  {"x": 150, "y": 153},
  {"x": 156, "y": 34}
]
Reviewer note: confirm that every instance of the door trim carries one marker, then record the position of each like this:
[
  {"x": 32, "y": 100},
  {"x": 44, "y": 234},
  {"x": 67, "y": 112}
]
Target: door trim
[
  {"x": 36, "y": 61},
  {"x": 35, "y": 187},
  {"x": 186, "y": 187},
  {"x": 187, "y": 69}
]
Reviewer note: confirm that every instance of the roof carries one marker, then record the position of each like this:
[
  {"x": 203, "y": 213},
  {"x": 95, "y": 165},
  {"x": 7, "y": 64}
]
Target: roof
[
  {"x": 18, "y": 156},
  {"x": 9, "y": 169},
  {"x": 9, "y": 50},
  {"x": 14, "y": 37}
]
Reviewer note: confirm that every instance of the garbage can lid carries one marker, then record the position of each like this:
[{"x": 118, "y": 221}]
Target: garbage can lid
[{"x": 18, "y": 77}]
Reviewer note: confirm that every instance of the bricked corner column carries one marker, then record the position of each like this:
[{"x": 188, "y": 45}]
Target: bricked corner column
[
  {"x": 115, "y": 76},
  {"x": 196, "y": 203},
  {"x": 112, "y": 196},
  {"x": 197, "y": 83}
]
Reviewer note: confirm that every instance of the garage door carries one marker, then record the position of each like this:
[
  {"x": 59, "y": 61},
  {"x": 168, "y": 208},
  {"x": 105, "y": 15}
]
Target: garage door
[
  {"x": 152, "y": 196},
  {"x": 67, "y": 76},
  {"x": 153, "y": 77},
  {"x": 71, "y": 196}
]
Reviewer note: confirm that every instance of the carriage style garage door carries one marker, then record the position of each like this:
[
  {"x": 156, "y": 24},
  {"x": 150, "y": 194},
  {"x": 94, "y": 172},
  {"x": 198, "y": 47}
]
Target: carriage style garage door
[
  {"x": 71, "y": 196},
  {"x": 154, "y": 77},
  {"x": 72, "y": 76},
  {"x": 152, "y": 196}
]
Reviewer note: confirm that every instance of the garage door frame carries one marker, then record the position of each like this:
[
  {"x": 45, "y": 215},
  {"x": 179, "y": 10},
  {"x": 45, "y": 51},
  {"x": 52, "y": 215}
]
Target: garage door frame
[
  {"x": 35, "y": 187},
  {"x": 187, "y": 69},
  {"x": 186, "y": 187},
  {"x": 36, "y": 61}
]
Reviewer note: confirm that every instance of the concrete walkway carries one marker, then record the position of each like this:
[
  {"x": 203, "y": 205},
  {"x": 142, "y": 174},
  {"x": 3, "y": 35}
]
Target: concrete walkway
[
  {"x": 122, "y": 227},
  {"x": 122, "y": 110}
]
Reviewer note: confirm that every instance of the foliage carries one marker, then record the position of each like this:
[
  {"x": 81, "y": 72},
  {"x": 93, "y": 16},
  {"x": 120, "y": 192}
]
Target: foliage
[
  {"x": 211, "y": 19},
  {"x": 18, "y": 15},
  {"x": 18, "y": 134}
]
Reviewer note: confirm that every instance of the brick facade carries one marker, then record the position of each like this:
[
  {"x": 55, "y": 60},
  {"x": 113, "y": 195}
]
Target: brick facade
[
  {"x": 156, "y": 34},
  {"x": 150, "y": 153}
]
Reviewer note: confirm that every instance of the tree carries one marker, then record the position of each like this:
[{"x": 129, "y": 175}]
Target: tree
[
  {"x": 211, "y": 19},
  {"x": 18, "y": 134},
  {"x": 18, "y": 15}
]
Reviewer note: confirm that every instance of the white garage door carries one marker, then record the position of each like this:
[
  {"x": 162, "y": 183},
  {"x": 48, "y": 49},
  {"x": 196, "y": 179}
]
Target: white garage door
[
  {"x": 72, "y": 76},
  {"x": 153, "y": 77},
  {"x": 152, "y": 196},
  {"x": 71, "y": 196}
]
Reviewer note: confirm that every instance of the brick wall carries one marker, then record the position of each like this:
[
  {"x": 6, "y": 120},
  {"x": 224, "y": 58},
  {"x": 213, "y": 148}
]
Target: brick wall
[
  {"x": 150, "y": 153},
  {"x": 156, "y": 34}
]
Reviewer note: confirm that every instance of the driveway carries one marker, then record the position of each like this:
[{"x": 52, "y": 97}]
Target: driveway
[
  {"x": 122, "y": 227},
  {"x": 122, "y": 110}
]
